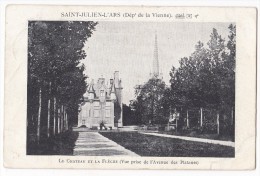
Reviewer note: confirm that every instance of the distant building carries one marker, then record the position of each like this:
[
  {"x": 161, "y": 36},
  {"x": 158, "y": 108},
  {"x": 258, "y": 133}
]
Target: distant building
[{"x": 102, "y": 104}]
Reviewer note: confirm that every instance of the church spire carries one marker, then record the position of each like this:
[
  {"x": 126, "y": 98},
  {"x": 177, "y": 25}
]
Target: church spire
[{"x": 155, "y": 58}]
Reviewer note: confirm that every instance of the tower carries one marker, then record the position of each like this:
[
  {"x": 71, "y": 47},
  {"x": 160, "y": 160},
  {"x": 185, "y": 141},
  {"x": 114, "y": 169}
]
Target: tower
[
  {"x": 155, "y": 71},
  {"x": 113, "y": 94},
  {"x": 155, "y": 58}
]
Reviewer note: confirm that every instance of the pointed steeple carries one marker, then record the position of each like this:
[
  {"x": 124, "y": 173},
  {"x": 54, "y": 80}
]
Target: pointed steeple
[
  {"x": 91, "y": 89},
  {"x": 155, "y": 58}
]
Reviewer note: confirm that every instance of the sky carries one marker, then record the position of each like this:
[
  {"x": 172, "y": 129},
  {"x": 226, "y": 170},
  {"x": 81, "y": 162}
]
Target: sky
[{"x": 128, "y": 47}]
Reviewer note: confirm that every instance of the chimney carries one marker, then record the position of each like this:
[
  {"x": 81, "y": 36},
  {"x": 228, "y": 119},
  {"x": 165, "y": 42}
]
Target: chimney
[
  {"x": 120, "y": 84},
  {"x": 111, "y": 81},
  {"x": 116, "y": 79}
]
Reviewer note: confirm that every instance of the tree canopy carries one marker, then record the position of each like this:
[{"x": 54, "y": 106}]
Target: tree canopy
[
  {"x": 207, "y": 77},
  {"x": 149, "y": 101},
  {"x": 205, "y": 80},
  {"x": 56, "y": 82}
]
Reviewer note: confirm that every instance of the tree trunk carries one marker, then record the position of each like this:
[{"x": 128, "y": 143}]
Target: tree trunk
[
  {"x": 188, "y": 123},
  {"x": 54, "y": 116},
  {"x": 218, "y": 123},
  {"x": 49, "y": 111},
  {"x": 67, "y": 126},
  {"x": 62, "y": 118},
  {"x": 58, "y": 120},
  {"x": 65, "y": 119},
  {"x": 176, "y": 125},
  {"x": 201, "y": 117},
  {"x": 48, "y": 121},
  {"x": 39, "y": 116},
  {"x": 232, "y": 116}
]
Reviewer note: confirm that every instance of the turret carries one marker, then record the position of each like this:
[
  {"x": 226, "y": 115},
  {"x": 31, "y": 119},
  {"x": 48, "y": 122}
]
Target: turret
[
  {"x": 113, "y": 93},
  {"x": 91, "y": 91},
  {"x": 116, "y": 79}
]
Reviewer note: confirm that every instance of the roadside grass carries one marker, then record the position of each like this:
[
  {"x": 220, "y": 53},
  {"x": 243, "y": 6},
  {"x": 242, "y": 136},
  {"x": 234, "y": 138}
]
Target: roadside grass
[
  {"x": 147, "y": 145},
  {"x": 200, "y": 135},
  {"x": 62, "y": 144}
]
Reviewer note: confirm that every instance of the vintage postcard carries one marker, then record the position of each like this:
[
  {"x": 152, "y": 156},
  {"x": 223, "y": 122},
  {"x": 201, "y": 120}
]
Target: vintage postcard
[{"x": 130, "y": 87}]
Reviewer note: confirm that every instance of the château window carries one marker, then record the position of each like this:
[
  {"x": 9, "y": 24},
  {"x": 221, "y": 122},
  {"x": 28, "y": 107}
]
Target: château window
[{"x": 102, "y": 93}]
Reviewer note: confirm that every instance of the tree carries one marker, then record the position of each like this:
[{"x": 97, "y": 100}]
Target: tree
[
  {"x": 148, "y": 104},
  {"x": 200, "y": 78},
  {"x": 55, "y": 49},
  {"x": 207, "y": 77},
  {"x": 129, "y": 116}
]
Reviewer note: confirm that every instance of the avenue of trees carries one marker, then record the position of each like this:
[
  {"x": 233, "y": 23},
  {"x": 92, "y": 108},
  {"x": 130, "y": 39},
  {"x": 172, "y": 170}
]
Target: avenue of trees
[
  {"x": 204, "y": 81},
  {"x": 56, "y": 81}
]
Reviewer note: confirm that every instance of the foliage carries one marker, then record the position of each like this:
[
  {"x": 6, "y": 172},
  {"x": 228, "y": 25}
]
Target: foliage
[
  {"x": 61, "y": 144},
  {"x": 55, "y": 51},
  {"x": 129, "y": 117},
  {"x": 55, "y": 72},
  {"x": 207, "y": 77},
  {"x": 209, "y": 127},
  {"x": 149, "y": 103}
]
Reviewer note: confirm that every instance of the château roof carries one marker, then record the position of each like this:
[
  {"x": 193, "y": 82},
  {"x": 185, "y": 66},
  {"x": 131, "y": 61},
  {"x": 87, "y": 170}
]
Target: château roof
[{"x": 111, "y": 86}]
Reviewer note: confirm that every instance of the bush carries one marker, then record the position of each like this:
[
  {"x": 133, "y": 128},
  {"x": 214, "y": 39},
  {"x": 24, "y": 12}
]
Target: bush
[
  {"x": 94, "y": 128},
  {"x": 197, "y": 129},
  {"x": 209, "y": 127},
  {"x": 227, "y": 128},
  {"x": 152, "y": 127},
  {"x": 162, "y": 128}
]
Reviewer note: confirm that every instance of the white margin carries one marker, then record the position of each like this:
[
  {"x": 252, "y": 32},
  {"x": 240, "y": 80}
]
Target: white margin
[{"x": 67, "y": 172}]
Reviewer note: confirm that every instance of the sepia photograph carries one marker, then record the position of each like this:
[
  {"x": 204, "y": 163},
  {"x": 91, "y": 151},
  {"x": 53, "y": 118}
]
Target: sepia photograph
[
  {"x": 131, "y": 88},
  {"x": 120, "y": 87}
]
